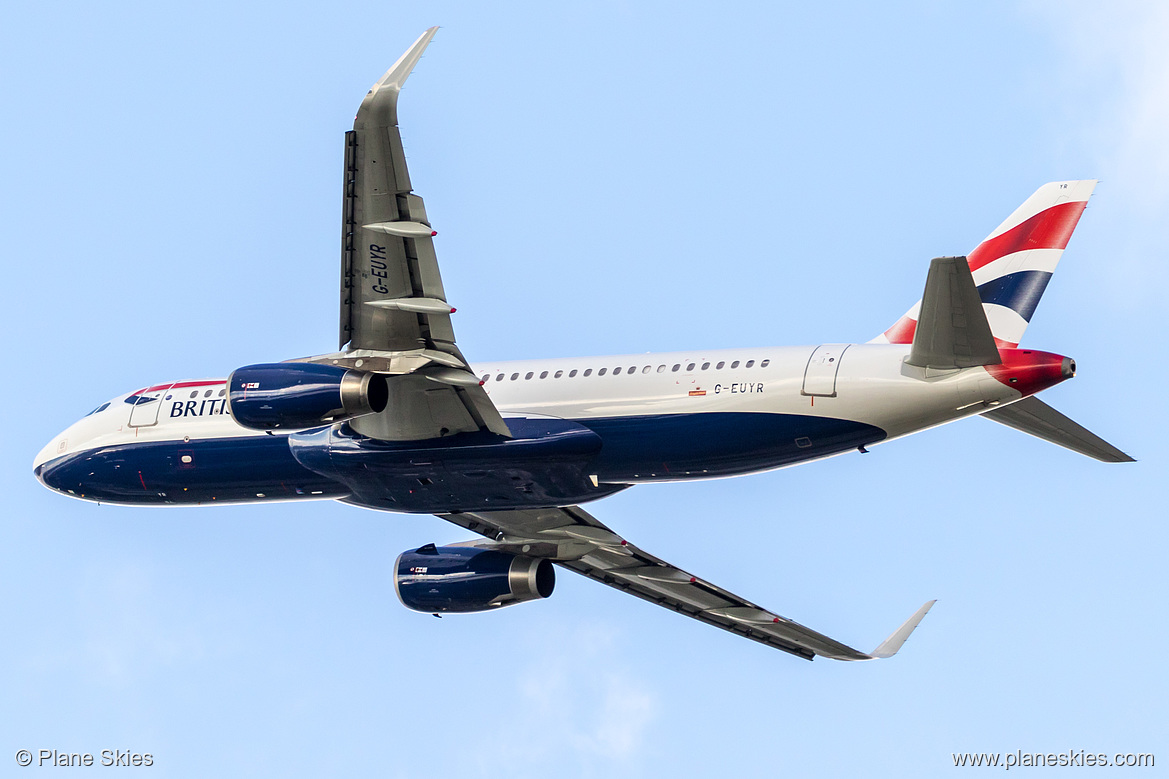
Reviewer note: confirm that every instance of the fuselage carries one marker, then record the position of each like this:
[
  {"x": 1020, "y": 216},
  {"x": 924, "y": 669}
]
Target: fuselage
[{"x": 582, "y": 428}]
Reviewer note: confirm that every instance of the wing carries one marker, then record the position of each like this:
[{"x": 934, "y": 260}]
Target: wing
[
  {"x": 394, "y": 314},
  {"x": 391, "y": 293},
  {"x": 574, "y": 539}
]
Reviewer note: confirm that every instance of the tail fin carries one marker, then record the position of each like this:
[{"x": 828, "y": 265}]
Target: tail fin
[{"x": 1013, "y": 265}]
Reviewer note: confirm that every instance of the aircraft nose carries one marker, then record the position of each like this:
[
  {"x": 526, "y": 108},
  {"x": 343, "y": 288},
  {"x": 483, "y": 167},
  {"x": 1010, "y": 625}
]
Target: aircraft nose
[
  {"x": 48, "y": 452},
  {"x": 38, "y": 464},
  {"x": 42, "y": 465}
]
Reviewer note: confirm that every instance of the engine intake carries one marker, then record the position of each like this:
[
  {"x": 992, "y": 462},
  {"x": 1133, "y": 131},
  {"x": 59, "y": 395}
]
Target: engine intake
[
  {"x": 295, "y": 396},
  {"x": 467, "y": 579}
]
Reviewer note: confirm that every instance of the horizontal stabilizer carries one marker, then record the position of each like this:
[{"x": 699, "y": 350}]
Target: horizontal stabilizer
[
  {"x": 952, "y": 330},
  {"x": 1033, "y": 416},
  {"x": 890, "y": 645}
]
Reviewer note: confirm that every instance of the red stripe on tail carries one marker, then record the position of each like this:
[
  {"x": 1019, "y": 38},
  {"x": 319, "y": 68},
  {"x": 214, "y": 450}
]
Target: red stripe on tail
[{"x": 1049, "y": 229}]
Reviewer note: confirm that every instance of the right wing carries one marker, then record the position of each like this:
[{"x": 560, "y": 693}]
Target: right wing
[
  {"x": 574, "y": 539},
  {"x": 392, "y": 298}
]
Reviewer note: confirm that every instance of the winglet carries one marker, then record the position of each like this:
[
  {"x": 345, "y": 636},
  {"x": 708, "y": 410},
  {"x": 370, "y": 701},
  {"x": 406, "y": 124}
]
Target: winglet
[
  {"x": 384, "y": 94},
  {"x": 890, "y": 645},
  {"x": 396, "y": 76}
]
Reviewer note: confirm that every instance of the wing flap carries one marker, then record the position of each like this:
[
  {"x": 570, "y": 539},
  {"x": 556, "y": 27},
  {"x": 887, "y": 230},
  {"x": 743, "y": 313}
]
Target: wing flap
[{"x": 420, "y": 407}]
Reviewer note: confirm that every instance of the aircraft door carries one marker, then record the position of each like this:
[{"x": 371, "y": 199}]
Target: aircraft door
[
  {"x": 820, "y": 375},
  {"x": 146, "y": 406}
]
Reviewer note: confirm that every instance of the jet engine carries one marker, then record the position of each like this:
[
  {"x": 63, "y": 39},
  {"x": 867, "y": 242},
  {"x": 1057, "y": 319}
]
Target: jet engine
[
  {"x": 466, "y": 579},
  {"x": 298, "y": 395}
]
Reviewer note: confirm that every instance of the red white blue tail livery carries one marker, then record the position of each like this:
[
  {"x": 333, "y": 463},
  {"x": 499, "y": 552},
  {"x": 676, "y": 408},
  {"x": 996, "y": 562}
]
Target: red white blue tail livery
[{"x": 1012, "y": 266}]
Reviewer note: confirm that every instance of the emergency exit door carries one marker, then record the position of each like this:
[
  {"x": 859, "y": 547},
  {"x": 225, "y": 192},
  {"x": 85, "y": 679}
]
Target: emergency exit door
[{"x": 823, "y": 364}]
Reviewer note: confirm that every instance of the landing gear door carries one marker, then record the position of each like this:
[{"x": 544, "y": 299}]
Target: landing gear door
[
  {"x": 146, "y": 406},
  {"x": 820, "y": 375}
]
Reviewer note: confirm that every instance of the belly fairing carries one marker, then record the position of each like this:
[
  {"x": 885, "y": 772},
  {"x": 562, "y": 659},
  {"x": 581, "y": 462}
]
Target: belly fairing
[
  {"x": 547, "y": 462},
  {"x": 555, "y": 462}
]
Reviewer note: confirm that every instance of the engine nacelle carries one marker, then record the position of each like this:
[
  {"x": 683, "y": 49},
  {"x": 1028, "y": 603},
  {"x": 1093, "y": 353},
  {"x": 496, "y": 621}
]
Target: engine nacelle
[
  {"x": 299, "y": 395},
  {"x": 465, "y": 579}
]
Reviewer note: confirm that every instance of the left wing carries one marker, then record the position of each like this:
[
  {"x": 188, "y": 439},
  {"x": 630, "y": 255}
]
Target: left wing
[
  {"x": 394, "y": 314},
  {"x": 574, "y": 539}
]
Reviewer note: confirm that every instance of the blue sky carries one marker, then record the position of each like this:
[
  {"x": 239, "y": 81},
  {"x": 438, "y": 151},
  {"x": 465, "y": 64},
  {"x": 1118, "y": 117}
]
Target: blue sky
[{"x": 605, "y": 178}]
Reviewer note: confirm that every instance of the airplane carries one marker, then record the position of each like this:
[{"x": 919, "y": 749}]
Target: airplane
[{"x": 398, "y": 419}]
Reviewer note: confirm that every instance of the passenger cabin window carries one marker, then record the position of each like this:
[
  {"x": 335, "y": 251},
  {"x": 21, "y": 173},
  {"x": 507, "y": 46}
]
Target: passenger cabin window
[
  {"x": 529, "y": 375},
  {"x": 543, "y": 374},
  {"x": 749, "y": 363},
  {"x": 616, "y": 371},
  {"x": 514, "y": 376},
  {"x": 222, "y": 392},
  {"x": 764, "y": 363},
  {"x": 633, "y": 368},
  {"x": 690, "y": 367},
  {"x": 735, "y": 364},
  {"x": 720, "y": 365},
  {"x": 601, "y": 372},
  {"x": 572, "y": 373},
  {"x": 588, "y": 372},
  {"x": 484, "y": 378},
  {"x": 194, "y": 393},
  {"x": 559, "y": 374},
  {"x": 499, "y": 377},
  {"x": 207, "y": 394},
  {"x": 662, "y": 368},
  {"x": 705, "y": 365}
]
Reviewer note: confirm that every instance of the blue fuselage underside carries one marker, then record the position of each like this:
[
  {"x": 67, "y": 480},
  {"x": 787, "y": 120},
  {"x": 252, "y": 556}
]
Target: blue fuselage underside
[{"x": 547, "y": 462}]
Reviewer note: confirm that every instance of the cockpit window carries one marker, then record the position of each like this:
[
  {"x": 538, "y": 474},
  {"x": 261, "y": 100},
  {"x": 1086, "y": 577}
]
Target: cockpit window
[{"x": 99, "y": 409}]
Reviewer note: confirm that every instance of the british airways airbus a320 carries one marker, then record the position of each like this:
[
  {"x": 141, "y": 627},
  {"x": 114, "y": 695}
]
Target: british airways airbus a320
[{"x": 401, "y": 421}]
